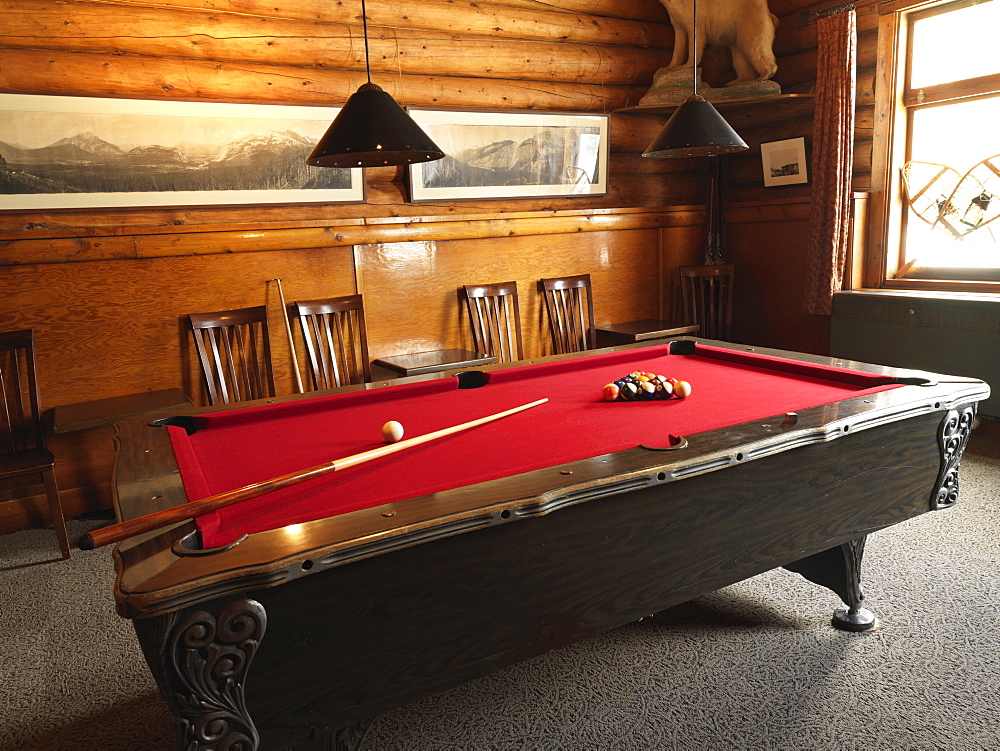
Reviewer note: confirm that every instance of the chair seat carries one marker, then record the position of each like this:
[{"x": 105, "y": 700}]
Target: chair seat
[{"x": 25, "y": 462}]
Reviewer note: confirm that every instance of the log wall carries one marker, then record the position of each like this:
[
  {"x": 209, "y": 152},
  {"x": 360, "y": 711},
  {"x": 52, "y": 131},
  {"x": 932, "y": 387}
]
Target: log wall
[{"x": 106, "y": 290}]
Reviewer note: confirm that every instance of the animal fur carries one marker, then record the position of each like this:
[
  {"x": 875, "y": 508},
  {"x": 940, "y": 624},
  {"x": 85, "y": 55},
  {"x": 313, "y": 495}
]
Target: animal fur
[{"x": 745, "y": 26}]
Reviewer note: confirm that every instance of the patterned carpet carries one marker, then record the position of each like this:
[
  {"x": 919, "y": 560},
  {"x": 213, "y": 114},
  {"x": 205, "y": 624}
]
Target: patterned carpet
[{"x": 755, "y": 665}]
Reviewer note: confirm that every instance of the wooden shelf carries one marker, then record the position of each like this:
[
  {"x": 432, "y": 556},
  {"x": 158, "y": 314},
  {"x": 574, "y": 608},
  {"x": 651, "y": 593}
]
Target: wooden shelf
[{"x": 660, "y": 109}]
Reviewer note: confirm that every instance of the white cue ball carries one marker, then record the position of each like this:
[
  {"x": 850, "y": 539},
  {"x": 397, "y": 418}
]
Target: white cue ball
[{"x": 392, "y": 431}]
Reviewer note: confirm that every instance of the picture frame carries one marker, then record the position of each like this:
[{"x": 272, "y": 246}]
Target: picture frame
[
  {"x": 493, "y": 154},
  {"x": 68, "y": 152},
  {"x": 784, "y": 162}
]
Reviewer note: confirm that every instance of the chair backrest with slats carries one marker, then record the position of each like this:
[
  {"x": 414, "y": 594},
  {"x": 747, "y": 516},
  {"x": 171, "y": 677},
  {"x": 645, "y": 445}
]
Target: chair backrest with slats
[
  {"x": 495, "y": 319},
  {"x": 570, "y": 306},
  {"x": 234, "y": 350},
  {"x": 707, "y": 299},
  {"x": 20, "y": 419},
  {"x": 336, "y": 340}
]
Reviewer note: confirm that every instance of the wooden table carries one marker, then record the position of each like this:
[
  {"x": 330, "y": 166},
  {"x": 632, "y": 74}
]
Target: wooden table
[
  {"x": 419, "y": 363},
  {"x": 639, "y": 331},
  {"x": 68, "y": 418}
]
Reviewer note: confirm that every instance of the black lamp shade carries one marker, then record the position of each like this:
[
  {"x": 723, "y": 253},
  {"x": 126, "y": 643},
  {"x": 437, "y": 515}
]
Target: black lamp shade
[
  {"x": 372, "y": 130},
  {"x": 695, "y": 129}
]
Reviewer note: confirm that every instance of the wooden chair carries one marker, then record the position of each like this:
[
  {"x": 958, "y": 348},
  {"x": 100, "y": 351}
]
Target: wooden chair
[
  {"x": 234, "y": 350},
  {"x": 495, "y": 320},
  {"x": 336, "y": 340},
  {"x": 570, "y": 305},
  {"x": 707, "y": 299},
  {"x": 22, "y": 442}
]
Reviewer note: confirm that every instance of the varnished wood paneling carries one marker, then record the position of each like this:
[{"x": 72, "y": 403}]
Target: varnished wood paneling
[
  {"x": 51, "y": 248},
  {"x": 400, "y": 278},
  {"x": 767, "y": 243},
  {"x": 112, "y": 327}
]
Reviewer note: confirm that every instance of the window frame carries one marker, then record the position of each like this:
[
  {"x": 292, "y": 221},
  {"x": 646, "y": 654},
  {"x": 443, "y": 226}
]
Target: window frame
[{"x": 891, "y": 144}]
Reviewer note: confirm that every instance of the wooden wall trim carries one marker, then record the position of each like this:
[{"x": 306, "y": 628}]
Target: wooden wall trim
[
  {"x": 76, "y": 249},
  {"x": 887, "y": 149},
  {"x": 779, "y": 210}
]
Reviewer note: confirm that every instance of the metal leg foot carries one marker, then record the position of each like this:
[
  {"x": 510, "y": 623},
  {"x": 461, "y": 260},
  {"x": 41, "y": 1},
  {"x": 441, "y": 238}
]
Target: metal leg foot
[
  {"x": 839, "y": 569},
  {"x": 855, "y": 619}
]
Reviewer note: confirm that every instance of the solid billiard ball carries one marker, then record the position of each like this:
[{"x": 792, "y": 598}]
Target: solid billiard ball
[
  {"x": 682, "y": 389},
  {"x": 611, "y": 392},
  {"x": 392, "y": 431}
]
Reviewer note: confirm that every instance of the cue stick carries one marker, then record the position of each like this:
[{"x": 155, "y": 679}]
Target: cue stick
[
  {"x": 148, "y": 522},
  {"x": 291, "y": 341}
]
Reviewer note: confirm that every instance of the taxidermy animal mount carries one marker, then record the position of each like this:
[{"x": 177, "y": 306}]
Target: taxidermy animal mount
[{"x": 746, "y": 27}]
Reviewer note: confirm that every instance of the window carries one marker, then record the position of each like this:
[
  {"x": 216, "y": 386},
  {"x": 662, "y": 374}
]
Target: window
[{"x": 936, "y": 154}]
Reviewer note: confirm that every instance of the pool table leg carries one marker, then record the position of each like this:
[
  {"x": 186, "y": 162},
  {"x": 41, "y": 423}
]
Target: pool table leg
[
  {"x": 200, "y": 661},
  {"x": 200, "y": 658},
  {"x": 839, "y": 569}
]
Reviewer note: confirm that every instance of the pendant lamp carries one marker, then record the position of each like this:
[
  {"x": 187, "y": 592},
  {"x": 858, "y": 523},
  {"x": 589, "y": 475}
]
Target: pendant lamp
[
  {"x": 696, "y": 128},
  {"x": 372, "y": 130}
]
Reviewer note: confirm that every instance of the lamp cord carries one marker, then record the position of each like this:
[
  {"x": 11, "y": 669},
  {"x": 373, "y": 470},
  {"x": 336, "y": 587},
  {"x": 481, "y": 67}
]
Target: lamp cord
[
  {"x": 694, "y": 44},
  {"x": 364, "y": 25}
]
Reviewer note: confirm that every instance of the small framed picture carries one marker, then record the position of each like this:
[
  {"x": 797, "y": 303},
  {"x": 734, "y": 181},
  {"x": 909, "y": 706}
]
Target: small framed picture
[{"x": 784, "y": 162}]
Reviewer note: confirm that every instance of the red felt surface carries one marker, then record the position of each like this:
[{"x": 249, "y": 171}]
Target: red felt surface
[{"x": 240, "y": 447}]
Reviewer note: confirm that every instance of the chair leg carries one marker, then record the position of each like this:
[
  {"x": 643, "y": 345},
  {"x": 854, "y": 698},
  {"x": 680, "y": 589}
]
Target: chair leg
[{"x": 55, "y": 511}]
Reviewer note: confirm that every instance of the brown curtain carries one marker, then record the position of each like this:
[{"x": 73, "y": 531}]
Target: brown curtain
[{"x": 832, "y": 159}]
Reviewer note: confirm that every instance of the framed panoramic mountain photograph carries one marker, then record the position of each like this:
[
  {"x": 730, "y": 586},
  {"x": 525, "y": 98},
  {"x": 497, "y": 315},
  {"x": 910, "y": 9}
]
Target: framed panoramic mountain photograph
[
  {"x": 64, "y": 152},
  {"x": 511, "y": 154}
]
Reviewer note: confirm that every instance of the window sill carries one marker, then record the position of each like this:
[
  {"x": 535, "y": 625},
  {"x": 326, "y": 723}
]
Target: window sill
[
  {"x": 928, "y": 294},
  {"x": 943, "y": 285}
]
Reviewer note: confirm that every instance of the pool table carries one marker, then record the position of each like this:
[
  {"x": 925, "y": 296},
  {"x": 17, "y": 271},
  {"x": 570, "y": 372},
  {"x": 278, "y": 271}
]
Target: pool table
[{"x": 303, "y": 613}]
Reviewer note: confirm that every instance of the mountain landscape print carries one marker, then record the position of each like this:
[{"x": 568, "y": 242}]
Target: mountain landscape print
[
  {"x": 511, "y": 154},
  {"x": 58, "y": 152}
]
